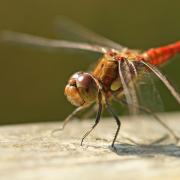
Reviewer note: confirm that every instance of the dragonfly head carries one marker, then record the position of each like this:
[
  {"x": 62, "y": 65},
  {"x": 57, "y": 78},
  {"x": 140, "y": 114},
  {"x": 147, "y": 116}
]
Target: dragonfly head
[{"x": 81, "y": 89}]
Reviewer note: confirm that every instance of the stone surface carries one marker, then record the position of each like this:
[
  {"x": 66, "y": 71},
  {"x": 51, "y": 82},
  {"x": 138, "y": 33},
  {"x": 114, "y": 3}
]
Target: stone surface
[{"x": 30, "y": 151}]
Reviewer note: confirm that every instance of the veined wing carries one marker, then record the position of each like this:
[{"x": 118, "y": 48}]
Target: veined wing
[
  {"x": 144, "y": 89},
  {"x": 138, "y": 87},
  {"x": 127, "y": 74},
  {"x": 47, "y": 44},
  {"x": 148, "y": 94},
  {"x": 68, "y": 27},
  {"x": 163, "y": 78}
]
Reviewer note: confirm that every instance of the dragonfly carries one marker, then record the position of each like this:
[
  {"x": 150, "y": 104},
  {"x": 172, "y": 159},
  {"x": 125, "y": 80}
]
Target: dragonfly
[{"x": 115, "y": 77}]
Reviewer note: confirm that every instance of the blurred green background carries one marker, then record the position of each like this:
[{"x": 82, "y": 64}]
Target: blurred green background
[{"x": 32, "y": 81}]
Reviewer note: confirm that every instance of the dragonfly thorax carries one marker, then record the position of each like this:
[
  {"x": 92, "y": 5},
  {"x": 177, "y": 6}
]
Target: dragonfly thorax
[
  {"x": 131, "y": 55},
  {"x": 81, "y": 89}
]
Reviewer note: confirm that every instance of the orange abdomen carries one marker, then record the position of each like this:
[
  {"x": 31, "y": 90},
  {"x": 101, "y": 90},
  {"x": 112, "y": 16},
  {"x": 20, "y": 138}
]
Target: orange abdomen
[{"x": 157, "y": 56}]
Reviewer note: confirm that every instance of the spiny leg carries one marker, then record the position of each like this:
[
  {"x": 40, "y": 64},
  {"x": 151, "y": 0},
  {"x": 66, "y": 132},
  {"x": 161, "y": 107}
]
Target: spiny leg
[
  {"x": 98, "y": 116},
  {"x": 148, "y": 111},
  {"x": 171, "y": 132},
  {"x": 66, "y": 121},
  {"x": 157, "y": 141},
  {"x": 117, "y": 121},
  {"x": 90, "y": 112},
  {"x": 173, "y": 91}
]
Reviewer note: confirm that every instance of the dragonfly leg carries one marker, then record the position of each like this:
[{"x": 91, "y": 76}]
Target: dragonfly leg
[
  {"x": 117, "y": 121},
  {"x": 154, "y": 142},
  {"x": 98, "y": 116},
  {"x": 170, "y": 131},
  {"x": 66, "y": 121},
  {"x": 90, "y": 112},
  {"x": 148, "y": 111}
]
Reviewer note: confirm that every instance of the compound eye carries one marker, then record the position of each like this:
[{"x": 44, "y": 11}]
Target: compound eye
[
  {"x": 87, "y": 87},
  {"x": 85, "y": 81},
  {"x": 74, "y": 78},
  {"x": 76, "y": 75}
]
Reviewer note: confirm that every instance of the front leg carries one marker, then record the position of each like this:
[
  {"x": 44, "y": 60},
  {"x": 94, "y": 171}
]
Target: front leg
[{"x": 98, "y": 116}]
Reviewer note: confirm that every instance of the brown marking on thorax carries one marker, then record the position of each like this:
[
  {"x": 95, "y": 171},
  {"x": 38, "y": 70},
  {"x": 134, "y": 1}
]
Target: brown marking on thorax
[{"x": 106, "y": 72}]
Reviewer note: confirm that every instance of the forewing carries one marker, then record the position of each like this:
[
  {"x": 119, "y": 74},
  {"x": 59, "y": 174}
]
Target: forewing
[
  {"x": 71, "y": 29},
  {"x": 47, "y": 44}
]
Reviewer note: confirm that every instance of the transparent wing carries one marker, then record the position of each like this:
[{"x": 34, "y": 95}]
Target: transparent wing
[
  {"x": 148, "y": 94},
  {"x": 163, "y": 78},
  {"x": 70, "y": 28},
  {"x": 47, "y": 44},
  {"x": 139, "y": 88},
  {"x": 127, "y": 73}
]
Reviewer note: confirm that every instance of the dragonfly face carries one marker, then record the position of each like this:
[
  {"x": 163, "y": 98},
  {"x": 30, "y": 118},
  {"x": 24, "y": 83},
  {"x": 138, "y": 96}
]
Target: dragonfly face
[{"x": 81, "y": 89}]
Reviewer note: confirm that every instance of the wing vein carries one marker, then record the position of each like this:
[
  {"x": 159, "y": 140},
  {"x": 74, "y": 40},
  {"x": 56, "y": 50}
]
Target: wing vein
[
  {"x": 45, "y": 43},
  {"x": 164, "y": 80}
]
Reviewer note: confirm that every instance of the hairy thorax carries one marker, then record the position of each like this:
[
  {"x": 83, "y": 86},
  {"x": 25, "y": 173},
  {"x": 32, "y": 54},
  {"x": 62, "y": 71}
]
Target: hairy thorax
[{"x": 107, "y": 72}]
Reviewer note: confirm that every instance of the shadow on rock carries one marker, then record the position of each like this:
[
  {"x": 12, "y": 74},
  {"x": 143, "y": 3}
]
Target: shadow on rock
[{"x": 147, "y": 150}]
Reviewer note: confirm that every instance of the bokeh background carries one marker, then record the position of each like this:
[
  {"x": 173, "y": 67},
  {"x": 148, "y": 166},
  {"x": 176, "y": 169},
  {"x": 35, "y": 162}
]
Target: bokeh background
[{"x": 32, "y": 81}]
